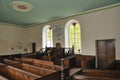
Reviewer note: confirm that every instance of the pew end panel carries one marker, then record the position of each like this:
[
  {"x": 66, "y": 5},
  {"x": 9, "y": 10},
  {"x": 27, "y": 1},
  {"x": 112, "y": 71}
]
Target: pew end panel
[{"x": 85, "y": 61}]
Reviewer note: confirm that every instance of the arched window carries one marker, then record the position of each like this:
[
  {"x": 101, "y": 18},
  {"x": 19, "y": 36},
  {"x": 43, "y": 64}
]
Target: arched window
[
  {"x": 47, "y": 38},
  {"x": 73, "y": 35}
]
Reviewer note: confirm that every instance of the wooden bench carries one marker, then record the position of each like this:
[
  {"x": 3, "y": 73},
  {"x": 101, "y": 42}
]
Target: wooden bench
[
  {"x": 3, "y": 78},
  {"x": 69, "y": 61},
  {"x": 102, "y": 73},
  {"x": 29, "y": 55},
  {"x": 25, "y": 60},
  {"x": 98, "y": 75},
  {"x": 84, "y": 77},
  {"x": 73, "y": 72},
  {"x": 16, "y": 74},
  {"x": 30, "y": 68},
  {"x": 44, "y": 73},
  {"x": 85, "y": 61},
  {"x": 36, "y": 60},
  {"x": 40, "y": 63}
]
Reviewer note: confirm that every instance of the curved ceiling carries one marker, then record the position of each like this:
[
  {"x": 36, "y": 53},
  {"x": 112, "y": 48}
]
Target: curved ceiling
[{"x": 42, "y": 11}]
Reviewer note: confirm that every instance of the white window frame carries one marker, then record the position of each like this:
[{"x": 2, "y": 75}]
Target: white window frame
[
  {"x": 44, "y": 36},
  {"x": 67, "y": 41}
]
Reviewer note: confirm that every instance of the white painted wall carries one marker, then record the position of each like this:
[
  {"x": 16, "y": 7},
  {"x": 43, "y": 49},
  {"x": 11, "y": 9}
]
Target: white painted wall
[
  {"x": 11, "y": 36},
  {"x": 103, "y": 24},
  {"x": 100, "y": 25}
]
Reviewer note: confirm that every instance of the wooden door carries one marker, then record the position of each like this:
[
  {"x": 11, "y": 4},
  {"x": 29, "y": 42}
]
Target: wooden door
[{"x": 105, "y": 52}]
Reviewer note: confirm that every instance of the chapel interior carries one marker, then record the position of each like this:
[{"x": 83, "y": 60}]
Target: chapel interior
[{"x": 59, "y": 40}]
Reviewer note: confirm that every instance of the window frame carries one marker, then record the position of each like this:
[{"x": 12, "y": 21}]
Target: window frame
[
  {"x": 67, "y": 33},
  {"x": 45, "y": 36}
]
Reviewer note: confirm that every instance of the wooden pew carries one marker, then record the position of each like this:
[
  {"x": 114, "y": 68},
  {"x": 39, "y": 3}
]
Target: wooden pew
[
  {"x": 36, "y": 60},
  {"x": 16, "y": 74},
  {"x": 3, "y": 78},
  {"x": 21, "y": 74},
  {"x": 46, "y": 73},
  {"x": 102, "y": 73},
  {"x": 40, "y": 63},
  {"x": 29, "y": 55},
  {"x": 69, "y": 61},
  {"x": 30, "y": 68},
  {"x": 85, "y": 61},
  {"x": 43, "y": 64},
  {"x": 84, "y": 77},
  {"x": 98, "y": 75}
]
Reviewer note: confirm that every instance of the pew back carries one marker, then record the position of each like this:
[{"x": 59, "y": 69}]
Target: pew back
[
  {"x": 29, "y": 68},
  {"x": 39, "y": 63},
  {"x": 16, "y": 74}
]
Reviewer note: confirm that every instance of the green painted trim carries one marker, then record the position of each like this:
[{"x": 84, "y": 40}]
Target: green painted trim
[{"x": 83, "y": 13}]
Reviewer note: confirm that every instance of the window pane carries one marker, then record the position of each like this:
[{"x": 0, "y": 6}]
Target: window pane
[
  {"x": 75, "y": 37},
  {"x": 49, "y": 38}
]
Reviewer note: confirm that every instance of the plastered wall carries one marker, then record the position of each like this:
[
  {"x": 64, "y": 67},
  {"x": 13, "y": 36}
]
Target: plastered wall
[
  {"x": 11, "y": 38},
  {"x": 104, "y": 24}
]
